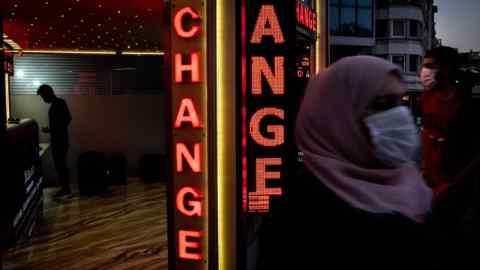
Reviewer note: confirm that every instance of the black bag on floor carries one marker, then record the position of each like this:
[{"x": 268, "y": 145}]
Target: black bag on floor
[
  {"x": 92, "y": 173},
  {"x": 153, "y": 168},
  {"x": 117, "y": 169}
]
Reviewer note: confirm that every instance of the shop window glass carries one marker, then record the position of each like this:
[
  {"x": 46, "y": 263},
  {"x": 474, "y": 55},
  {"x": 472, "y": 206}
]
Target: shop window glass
[
  {"x": 381, "y": 3},
  {"x": 365, "y": 24},
  {"x": 416, "y": 29},
  {"x": 399, "y": 2},
  {"x": 364, "y": 3},
  {"x": 399, "y": 60},
  {"x": 348, "y": 21},
  {"x": 414, "y": 63},
  {"x": 398, "y": 28},
  {"x": 334, "y": 24},
  {"x": 351, "y": 17},
  {"x": 348, "y": 3},
  {"x": 382, "y": 28}
]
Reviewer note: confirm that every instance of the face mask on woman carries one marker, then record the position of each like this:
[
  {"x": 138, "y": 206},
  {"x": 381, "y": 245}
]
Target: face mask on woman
[
  {"x": 394, "y": 135},
  {"x": 428, "y": 77}
]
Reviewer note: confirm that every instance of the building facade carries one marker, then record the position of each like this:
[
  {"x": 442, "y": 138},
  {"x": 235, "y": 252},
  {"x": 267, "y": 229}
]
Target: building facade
[
  {"x": 404, "y": 32},
  {"x": 400, "y": 31},
  {"x": 351, "y": 25},
  {"x": 470, "y": 64}
]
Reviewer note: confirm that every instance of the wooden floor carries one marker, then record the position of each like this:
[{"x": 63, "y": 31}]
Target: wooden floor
[{"x": 126, "y": 229}]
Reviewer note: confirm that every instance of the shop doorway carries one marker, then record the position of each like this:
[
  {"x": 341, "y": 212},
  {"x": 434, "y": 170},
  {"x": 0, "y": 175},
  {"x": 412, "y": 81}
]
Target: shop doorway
[{"x": 107, "y": 61}]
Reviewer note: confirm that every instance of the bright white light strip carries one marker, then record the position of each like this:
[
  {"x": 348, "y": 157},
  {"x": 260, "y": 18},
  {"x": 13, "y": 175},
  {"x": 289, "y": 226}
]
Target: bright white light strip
[{"x": 143, "y": 53}]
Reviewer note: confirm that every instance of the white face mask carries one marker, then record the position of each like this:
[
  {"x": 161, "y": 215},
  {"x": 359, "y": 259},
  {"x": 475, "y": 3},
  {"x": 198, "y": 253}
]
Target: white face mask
[
  {"x": 428, "y": 78},
  {"x": 394, "y": 135}
]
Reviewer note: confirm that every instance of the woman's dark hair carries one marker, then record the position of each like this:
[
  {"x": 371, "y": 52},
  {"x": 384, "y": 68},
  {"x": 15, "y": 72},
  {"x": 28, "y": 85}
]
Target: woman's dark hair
[
  {"x": 46, "y": 90},
  {"x": 449, "y": 58},
  {"x": 444, "y": 56}
]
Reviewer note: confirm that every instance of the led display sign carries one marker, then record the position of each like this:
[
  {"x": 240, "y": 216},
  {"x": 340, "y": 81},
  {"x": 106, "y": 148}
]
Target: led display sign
[
  {"x": 268, "y": 36},
  {"x": 306, "y": 16},
  {"x": 188, "y": 188}
]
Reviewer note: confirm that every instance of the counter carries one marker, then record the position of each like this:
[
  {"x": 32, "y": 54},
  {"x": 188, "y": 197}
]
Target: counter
[{"x": 22, "y": 183}]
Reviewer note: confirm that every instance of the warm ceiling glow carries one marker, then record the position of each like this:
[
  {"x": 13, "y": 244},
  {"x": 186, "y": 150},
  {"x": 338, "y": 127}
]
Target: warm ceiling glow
[
  {"x": 98, "y": 52},
  {"x": 71, "y": 52}
]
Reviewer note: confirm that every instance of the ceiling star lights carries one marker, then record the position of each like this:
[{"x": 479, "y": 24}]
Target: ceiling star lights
[{"x": 72, "y": 24}]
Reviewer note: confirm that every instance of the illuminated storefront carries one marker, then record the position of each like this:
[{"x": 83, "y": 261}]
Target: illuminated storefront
[
  {"x": 237, "y": 72},
  {"x": 238, "y": 75}
]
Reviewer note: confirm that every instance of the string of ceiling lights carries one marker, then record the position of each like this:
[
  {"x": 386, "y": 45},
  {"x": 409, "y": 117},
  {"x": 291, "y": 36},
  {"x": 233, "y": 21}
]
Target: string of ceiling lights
[{"x": 88, "y": 26}]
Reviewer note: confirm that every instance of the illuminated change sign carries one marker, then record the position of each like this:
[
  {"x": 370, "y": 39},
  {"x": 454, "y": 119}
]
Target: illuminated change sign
[
  {"x": 268, "y": 67},
  {"x": 306, "y": 16},
  {"x": 188, "y": 189}
]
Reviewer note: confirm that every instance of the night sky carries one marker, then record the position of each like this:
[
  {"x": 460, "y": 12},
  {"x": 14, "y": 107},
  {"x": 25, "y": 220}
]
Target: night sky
[{"x": 458, "y": 23}]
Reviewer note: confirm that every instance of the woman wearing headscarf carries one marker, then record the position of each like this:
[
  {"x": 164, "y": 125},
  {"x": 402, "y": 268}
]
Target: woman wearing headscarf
[{"x": 359, "y": 195}]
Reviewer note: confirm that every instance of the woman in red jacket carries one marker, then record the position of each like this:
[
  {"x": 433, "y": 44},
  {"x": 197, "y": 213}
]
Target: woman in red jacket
[{"x": 449, "y": 130}]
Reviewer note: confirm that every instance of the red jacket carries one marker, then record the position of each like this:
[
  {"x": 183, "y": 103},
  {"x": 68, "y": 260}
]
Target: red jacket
[{"x": 449, "y": 136}]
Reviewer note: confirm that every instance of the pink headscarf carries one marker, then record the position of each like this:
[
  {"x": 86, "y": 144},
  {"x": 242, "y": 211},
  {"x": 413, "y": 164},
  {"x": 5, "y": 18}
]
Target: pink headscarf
[{"x": 339, "y": 153}]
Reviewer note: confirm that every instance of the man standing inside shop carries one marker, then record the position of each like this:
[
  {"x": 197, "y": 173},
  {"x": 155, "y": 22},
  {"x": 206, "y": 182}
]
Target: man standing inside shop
[
  {"x": 59, "y": 118},
  {"x": 450, "y": 132}
]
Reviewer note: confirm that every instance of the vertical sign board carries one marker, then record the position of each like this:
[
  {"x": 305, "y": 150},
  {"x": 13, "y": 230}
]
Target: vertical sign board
[
  {"x": 267, "y": 73},
  {"x": 306, "y": 16},
  {"x": 188, "y": 225},
  {"x": 8, "y": 63}
]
